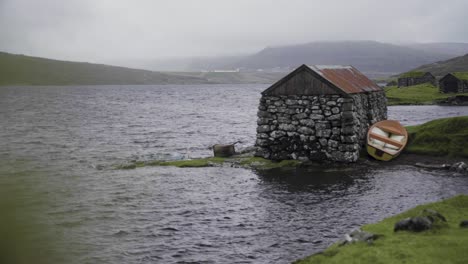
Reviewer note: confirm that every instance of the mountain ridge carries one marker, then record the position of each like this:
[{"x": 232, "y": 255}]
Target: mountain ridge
[{"x": 440, "y": 68}]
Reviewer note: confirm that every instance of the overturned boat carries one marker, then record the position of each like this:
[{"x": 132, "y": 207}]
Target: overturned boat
[{"x": 386, "y": 139}]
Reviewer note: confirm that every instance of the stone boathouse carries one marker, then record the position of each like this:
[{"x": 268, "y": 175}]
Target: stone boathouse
[{"x": 318, "y": 113}]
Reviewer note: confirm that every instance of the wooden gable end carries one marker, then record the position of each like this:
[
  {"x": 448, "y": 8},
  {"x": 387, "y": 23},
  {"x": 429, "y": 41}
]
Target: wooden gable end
[{"x": 303, "y": 81}]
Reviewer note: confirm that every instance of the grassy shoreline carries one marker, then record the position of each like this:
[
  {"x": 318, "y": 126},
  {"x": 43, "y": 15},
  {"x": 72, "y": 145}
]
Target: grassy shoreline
[
  {"x": 235, "y": 161},
  {"x": 441, "y": 245},
  {"x": 422, "y": 94},
  {"x": 444, "y": 137},
  {"x": 440, "y": 137}
]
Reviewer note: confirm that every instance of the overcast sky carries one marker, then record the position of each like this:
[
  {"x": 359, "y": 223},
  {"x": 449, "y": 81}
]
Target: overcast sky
[{"x": 106, "y": 30}]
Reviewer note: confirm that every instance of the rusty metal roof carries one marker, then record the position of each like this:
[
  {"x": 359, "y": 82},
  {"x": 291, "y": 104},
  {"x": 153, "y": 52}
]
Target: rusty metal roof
[{"x": 346, "y": 78}]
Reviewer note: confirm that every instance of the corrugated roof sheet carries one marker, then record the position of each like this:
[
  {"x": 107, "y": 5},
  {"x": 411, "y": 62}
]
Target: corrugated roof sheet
[{"x": 346, "y": 78}]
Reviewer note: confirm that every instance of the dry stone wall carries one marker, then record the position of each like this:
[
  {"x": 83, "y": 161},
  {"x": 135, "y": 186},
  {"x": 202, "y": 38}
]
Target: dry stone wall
[{"x": 323, "y": 127}]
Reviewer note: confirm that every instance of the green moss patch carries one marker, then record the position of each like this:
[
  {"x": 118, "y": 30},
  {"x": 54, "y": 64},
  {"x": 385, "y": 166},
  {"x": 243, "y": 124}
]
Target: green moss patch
[
  {"x": 461, "y": 75},
  {"x": 422, "y": 94},
  {"x": 243, "y": 162},
  {"x": 441, "y": 137},
  {"x": 440, "y": 245}
]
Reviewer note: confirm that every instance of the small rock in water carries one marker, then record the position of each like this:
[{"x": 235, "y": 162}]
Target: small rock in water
[
  {"x": 459, "y": 166},
  {"x": 464, "y": 224},
  {"x": 432, "y": 166}
]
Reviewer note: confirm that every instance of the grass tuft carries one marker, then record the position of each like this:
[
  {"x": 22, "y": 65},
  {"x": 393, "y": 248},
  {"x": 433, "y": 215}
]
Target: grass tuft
[
  {"x": 441, "y": 245},
  {"x": 440, "y": 137},
  {"x": 244, "y": 162}
]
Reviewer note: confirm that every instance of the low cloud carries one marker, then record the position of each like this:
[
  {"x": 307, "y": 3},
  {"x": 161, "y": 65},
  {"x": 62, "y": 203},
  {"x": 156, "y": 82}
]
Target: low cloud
[{"x": 104, "y": 30}]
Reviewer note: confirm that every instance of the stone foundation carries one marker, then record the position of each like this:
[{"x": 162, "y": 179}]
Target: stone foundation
[{"x": 323, "y": 127}]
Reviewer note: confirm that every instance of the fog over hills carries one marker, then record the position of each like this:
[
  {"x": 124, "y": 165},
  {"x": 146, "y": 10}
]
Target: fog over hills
[
  {"x": 372, "y": 57},
  {"x": 440, "y": 68},
  {"x": 375, "y": 59}
]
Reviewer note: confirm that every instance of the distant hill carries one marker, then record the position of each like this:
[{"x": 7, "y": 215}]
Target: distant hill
[
  {"x": 27, "y": 70},
  {"x": 239, "y": 77},
  {"x": 450, "y": 48},
  {"x": 440, "y": 68},
  {"x": 371, "y": 57}
]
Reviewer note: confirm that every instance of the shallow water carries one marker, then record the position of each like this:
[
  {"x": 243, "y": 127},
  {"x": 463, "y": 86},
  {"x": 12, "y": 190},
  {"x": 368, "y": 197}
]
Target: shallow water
[{"x": 76, "y": 135}]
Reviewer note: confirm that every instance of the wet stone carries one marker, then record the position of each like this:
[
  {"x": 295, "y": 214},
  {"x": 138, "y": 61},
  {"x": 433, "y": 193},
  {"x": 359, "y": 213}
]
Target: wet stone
[
  {"x": 316, "y": 117},
  {"x": 305, "y": 130},
  {"x": 307, "y": 122},
  {"x": 323, "y": 142},
  {"x": 335, "y": 110},
  {"x": 287, "y": 127},
  {"x": 277, "y": 134},
  {"x": 263, "y": 129}
]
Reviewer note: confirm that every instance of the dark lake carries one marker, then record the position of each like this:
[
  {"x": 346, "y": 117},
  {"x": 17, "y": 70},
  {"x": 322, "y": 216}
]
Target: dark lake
[{"x": 71, "y": 139}]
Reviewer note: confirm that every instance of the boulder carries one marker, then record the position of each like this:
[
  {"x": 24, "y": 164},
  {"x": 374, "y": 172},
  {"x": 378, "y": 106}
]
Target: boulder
[
  {"x": 427, "y": 219},
  {"x": 459, "y": 166},
  {"x": 415, "y": 224},
  {"x": 358, "y": 235},
  {"x": 433, "y": 215},
  {"x": 220, "y": 150},
  {"x": 464, "y": 224}
]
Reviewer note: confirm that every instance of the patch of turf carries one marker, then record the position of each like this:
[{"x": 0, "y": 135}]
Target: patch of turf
[
  {"x": 245, "y": 162},
  {"x": 461, "y": 75},
  {"x": 193, "y": 163},
  {"x": 441, "y": 245},
  {"x": 422, "y": 94},
  {"x": 441, "y": 137}
]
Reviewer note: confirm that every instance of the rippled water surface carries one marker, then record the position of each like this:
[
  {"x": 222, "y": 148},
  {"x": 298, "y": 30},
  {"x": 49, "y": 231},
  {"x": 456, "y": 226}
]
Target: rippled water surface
[{"x": 75, "y": 136}]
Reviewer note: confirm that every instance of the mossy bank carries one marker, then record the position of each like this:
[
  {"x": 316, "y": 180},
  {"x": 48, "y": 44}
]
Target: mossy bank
[
  {"x": 235, "y": 161},
  {"x": 422, "y": 94},
  {"x": 440, "y": 137},
  {"x": 445, "y": 244}
]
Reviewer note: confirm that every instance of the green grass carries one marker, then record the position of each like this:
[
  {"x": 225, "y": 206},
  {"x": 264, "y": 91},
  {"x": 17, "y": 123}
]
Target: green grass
[
  {"x": 422, "y": 94},
  {"x": 443, "y": 245},
  {"x": 245, "y": 162},
  {"x": 27, "y": 70},
  {"x": 461, "y": 75},
  {"x": 441, "y": 137},
  {"x": 412, "y": 74}
]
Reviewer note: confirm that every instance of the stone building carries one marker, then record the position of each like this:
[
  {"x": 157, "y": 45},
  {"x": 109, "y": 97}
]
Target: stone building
[
  {"x": 415, "y": 78},
  {"x": 456, "y": 82},
  {"x": 318, "y": 113}
]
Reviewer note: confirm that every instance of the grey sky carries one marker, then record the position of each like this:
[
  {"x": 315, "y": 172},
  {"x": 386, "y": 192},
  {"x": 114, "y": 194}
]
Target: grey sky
[{"x": 105, "y": 30}]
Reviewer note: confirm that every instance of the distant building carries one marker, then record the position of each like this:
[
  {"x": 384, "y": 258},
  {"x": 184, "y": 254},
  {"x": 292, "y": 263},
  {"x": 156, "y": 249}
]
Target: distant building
[
  {"x": 236, "y": 70},
  {"x": 456, "y": 82},
  {"x": 318, "y": 113},
  {"x": 415, "y": 78}
]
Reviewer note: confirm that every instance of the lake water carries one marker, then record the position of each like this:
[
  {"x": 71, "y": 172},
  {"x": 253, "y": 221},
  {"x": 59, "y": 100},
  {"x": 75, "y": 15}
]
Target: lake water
[{"x": 75, "y": 136}]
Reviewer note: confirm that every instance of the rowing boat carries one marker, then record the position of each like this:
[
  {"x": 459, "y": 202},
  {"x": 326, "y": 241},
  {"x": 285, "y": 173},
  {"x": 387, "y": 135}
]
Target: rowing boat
[{"x": 386, "y": 139}]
